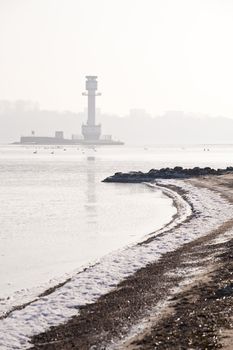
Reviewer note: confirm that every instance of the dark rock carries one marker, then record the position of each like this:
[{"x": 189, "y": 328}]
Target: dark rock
[
  {"x": 178, "y": 168},
  {"x": 225, "y": 291}
]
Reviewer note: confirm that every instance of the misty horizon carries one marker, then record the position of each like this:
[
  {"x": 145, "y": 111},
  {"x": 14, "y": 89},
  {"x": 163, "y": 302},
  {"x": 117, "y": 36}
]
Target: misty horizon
[
  {"x": 164, "y": 70},
  {"x": 137, "y": 128},
  {"x": 168, "y": 55}
]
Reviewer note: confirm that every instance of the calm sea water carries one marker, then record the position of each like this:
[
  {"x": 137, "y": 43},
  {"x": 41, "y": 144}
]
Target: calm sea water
[{"x": 56, "y": 214}]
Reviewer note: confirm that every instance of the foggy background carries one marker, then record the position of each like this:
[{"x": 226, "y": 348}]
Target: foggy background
[
  {"x": 138, "y": 127},
  {"x": 164, "y": 68}
]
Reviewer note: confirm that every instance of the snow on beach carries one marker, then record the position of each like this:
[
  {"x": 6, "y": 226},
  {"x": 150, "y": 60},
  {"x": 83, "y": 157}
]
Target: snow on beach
[{"x": 87, "y": 286}]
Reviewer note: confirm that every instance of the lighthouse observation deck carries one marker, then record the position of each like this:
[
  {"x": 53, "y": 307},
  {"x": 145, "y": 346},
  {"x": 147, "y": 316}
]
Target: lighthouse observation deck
[{"x": 91, "y": 82}]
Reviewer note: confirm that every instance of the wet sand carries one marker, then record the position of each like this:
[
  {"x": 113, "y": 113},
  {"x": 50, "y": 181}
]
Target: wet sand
[{"x": 182, "y": 301}]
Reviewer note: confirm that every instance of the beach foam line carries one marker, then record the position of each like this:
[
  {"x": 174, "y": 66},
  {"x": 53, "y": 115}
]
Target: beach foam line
[
  {"x": 21, "y": 298},
  {"x": 97, "y": 280}
]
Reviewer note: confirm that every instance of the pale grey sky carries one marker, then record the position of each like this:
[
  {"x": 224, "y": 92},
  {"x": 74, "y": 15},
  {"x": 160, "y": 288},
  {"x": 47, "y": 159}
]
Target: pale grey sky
[{"x": 155, "y": 54}]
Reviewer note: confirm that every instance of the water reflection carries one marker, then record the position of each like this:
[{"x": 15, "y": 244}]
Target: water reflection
[{"x": 91, "y": 198}]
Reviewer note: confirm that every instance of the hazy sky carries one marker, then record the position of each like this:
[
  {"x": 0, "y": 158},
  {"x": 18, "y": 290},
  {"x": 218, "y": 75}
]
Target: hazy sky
[{"x": 154, "y": 54}]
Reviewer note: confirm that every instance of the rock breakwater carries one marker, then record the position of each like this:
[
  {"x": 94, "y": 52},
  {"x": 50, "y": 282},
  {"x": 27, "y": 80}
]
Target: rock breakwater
[{"x": 166, "y": 173}]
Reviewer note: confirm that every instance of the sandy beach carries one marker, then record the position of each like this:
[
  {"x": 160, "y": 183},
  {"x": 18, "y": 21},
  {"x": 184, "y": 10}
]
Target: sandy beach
[{"x": 182, "y": 301}]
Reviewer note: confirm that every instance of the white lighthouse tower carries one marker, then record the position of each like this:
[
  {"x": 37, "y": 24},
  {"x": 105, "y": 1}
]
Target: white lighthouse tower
[{"x": 91, "y": 131}]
